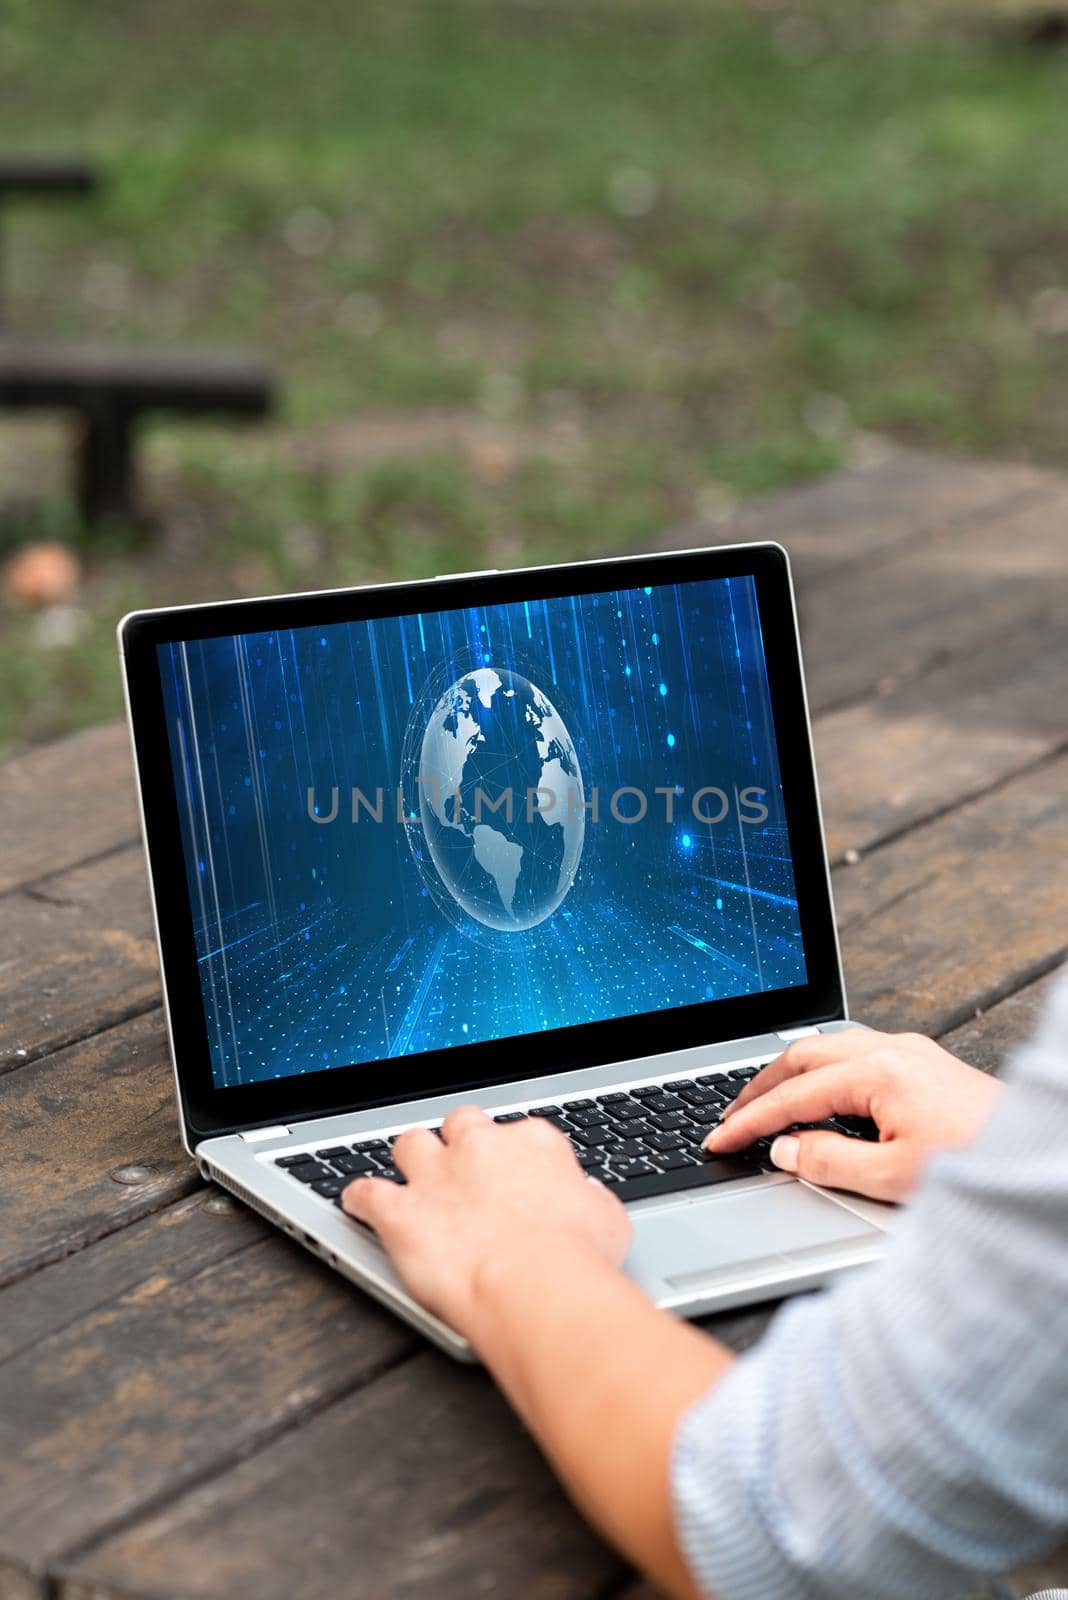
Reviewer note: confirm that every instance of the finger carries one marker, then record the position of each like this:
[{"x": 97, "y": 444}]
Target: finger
[
  {"x": 835, "y": 1162},
  {"x": 372, "y": 1200},
  {"x": 824, "y": 1092},
  {"x": 463, "y": 1121},
  {"x": 417, "y": 1151},
  {"x": 805, "y": 1055}
]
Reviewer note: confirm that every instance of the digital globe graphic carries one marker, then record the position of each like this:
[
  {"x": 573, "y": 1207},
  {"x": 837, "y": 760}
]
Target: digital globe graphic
[{"x": 500, "y": 799}]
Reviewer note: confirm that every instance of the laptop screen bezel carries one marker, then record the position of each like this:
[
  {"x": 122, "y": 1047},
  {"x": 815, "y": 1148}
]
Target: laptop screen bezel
[{"x": 210, "y": 1111}]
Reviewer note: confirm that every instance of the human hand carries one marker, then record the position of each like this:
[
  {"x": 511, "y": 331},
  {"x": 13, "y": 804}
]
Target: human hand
[
  {"x": 480, "y": 1193},
  {"x": 921, "y": 1098}
]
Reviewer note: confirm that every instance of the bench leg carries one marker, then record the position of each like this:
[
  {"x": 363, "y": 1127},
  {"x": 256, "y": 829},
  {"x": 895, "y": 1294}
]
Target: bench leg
[{"x": 105, "y": 465}]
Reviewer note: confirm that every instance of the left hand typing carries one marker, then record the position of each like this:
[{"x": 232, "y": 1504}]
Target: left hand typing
[{"x": 480, "y": 1193}]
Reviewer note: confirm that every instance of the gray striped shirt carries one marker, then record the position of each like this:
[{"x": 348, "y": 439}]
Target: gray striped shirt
[{"x": 908, "y": 1430}]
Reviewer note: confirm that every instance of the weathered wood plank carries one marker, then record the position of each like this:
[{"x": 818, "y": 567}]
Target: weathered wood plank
[
  {"x": 960, "y": 911},
  {"x": 205, "y": 1342},
  {"x": 987, "y": 1039},
  {"x": 77, "y": 954},
  {"x": 847, "y": 519},
  {"x": 422, "y": 1485},
  {"x": 929, "y": 743},
  {"x": 181, "y": 1238},
  {"x": 866, "y": 625},
  {"x": 65, "y": 803},
  {"x": 67, "y": 1123}
]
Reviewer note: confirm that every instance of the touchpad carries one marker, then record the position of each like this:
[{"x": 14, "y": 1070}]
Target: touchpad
[{"x": 697, "y": 1245}]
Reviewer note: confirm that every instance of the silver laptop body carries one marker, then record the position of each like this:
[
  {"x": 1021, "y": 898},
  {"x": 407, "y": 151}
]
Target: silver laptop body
[{"x": 756, "y": 1237}]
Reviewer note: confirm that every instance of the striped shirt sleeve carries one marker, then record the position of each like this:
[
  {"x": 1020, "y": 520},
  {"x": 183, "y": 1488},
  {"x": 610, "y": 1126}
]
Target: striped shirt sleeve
[{"x": 907, "y": 1431}]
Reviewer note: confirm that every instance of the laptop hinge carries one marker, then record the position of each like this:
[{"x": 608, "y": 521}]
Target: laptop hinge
[
  {"x": 796, "y": 1033},
  {"x": 256, "y": 1135}
]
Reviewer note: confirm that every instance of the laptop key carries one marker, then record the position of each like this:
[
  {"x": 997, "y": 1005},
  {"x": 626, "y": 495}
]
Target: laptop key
[
  {"x": 544, "y": 1111},
  {"x": 334, "y": 1150},
  {"x": 310, "y": 1172},
  {"x": 678, "y": 1084},
  {"x": 700, "y": 1175},
  {"x": 511, "y": 1116},
  {"x": 578, "y": 1105},
  {"x": 636, "y": 1169},
  {"x": 354, "y": 1166},
  {"x": 702, "y": 1097},
  {"x": 665, "y": 1102},
  {"x": 292, "y": 1161},
  {"x": 369, "y": 1146},
  {"x": 588, "y": 1119},
  {"x": 670, "y": 1121},
  {"x": 330, "y": 1188},
  {"x": 623, "y": 1110},
  {"x": 705, "y": 1116},
  {"x": 673, "y": 1159},
  {"x": 592, "y": 1136},
  {"x": 635, "y": 1128},
  {"x": 743, "y": 1074},
  {"x": 613, "y": 1098},
  {"x": 665, "y": 1141}
]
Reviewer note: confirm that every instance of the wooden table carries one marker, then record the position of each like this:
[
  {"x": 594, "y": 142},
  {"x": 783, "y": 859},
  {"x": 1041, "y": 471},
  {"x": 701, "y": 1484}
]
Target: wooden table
[{"x": 191, "y": 1406}]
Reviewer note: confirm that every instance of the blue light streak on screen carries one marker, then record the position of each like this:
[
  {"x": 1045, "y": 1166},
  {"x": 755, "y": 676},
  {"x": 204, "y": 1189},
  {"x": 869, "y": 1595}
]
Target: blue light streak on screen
[{"x": 320, "y": 945}]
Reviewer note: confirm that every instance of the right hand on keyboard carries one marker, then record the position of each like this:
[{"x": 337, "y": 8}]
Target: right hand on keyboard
[{"x": 921, "y": 1098}]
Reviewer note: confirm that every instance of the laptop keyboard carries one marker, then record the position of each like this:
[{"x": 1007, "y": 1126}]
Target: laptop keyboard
[{"x": 644, "y": 1141}]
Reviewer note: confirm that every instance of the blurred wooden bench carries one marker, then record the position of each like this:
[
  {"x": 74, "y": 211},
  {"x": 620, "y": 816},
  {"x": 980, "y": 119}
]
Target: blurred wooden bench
[
  {"x": 45, "y": 175},
  {"x": 110, "y": 390}
]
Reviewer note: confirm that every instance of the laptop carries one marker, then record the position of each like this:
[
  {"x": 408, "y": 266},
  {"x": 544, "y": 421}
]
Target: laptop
[{"x": 544, "y": 841}]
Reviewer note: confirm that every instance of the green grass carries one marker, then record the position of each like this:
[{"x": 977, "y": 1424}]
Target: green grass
[{"x": 540, "y": 278}]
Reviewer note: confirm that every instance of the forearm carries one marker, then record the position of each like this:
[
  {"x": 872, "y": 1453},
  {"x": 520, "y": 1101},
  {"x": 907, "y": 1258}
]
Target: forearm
[{"x": 601, "y": 1378}]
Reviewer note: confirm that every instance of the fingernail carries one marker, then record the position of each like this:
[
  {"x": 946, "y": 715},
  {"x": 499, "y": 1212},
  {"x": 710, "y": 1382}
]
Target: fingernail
[
  {"x": 785, "y": 1152},
  {"x": 728, "y": 1111},
  {"x": 710, "y": 1140}
]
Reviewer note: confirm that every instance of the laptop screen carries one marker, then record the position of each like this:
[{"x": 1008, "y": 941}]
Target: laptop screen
[{"x": 406, "y": 834}]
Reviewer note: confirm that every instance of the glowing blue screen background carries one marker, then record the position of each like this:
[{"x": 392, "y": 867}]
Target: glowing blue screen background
[{"x": 319, "y": 945}]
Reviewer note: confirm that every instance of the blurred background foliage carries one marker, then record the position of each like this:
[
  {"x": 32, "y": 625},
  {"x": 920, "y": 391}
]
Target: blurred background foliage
[{"x": 539, "y": 276}]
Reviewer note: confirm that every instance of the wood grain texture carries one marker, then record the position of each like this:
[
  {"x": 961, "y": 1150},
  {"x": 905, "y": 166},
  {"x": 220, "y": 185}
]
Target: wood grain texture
[
  {"x": 421, "y": 1486},
  {"x": 957, "y": 589},
  {"x": 987, "y": 1039},
  {"x": 961, "y": 911},
  {"x": 77, "y": 955},
  {"x": 927, "y": 744},
  {"x": 206, "y": 1340},
  {"x": 175, "y": 1241},
  {"x": 66, "y": 803},
  {"x": 67, "y": 1123},
  {"x": 844, "y": 521}
]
